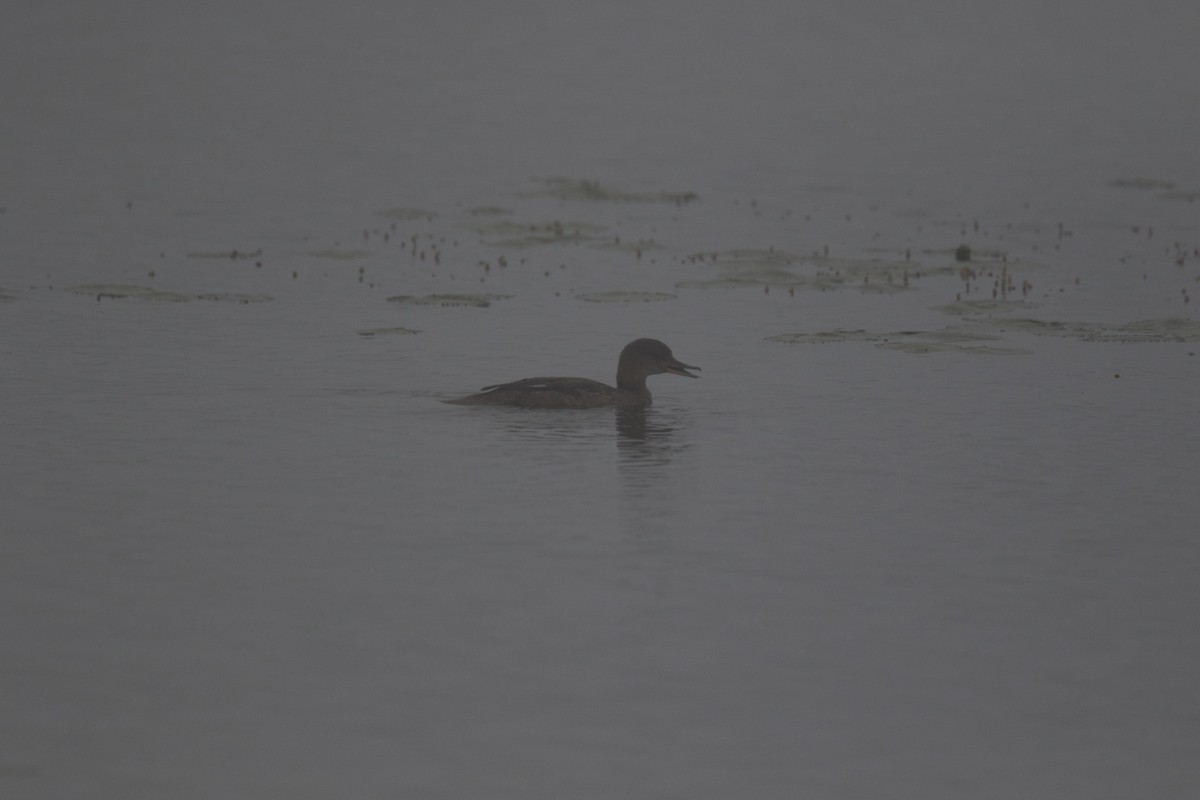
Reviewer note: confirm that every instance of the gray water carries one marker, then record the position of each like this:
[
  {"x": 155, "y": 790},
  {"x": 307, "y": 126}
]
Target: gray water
[{"x": 899, "y": 540}]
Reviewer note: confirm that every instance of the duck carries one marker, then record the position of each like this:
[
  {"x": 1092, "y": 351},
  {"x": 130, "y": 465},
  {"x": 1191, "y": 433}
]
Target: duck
[{"x": 639, "y": 359}]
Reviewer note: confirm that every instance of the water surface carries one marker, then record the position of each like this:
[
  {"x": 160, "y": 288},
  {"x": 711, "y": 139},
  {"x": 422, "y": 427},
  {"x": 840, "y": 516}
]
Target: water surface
[{"x": 924, "y": 526}]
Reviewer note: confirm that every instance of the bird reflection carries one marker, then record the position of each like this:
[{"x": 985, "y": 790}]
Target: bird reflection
[{"x": 649, "y": 436}]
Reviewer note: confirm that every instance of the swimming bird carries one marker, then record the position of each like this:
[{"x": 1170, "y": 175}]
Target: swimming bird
[{"x": 640, "y": 359}]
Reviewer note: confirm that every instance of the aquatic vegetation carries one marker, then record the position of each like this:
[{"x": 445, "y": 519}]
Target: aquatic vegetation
[
  {"x": 749, "y": 256},
  {"x": 827, "y": 337},
  {"x": 507, "y": 233},
  {"x": 6, "y": 297},
  {"x": 121, "y": 291},
  {"x": 916, "y": 342},
  {"x": 593, "y": 191},
  {"x": 881, "y": 337},
  {"x": 399, "y": 331},
  {"x": 489, "y": 211},
  {"x": 235, "y": 297},
  {"x": 729, "y": 282},
  {"x": 997, "y": 306},
  {"x": 979, "y": 258},
  {"x": 624, "y": 297},
  {"x": 878, "y": 280},
  {"x": 793, "y": 282},
  {"x": 1170, "y": 329},
  {"x": 922, "y": 348},
  {"x": 118, "y": 291},
  {"x": 449, "y": 300},
  {"x": 770, "y": 267}
]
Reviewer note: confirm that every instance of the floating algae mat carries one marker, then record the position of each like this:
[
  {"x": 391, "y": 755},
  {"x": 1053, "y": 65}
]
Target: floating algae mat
[
  {"x": 1170, "y": 329},
  {"x": 516, "y": 234},
  {"x": 448, "y": 300},
  {"x": 397, "y": 331},
  {"x": 625, "y": 297},
  {"x": 743, "y": 280},
  {"x": 922, "y": 348},
  {"x": 121, "y": 291},
  {"x": 917, "y": 342},
  {"x": 820, "y": 274},
  {"x": 770, "y": 267},
  {"x": 827, "y": 337},
  {"x": 861, "y": 335},
  {"x": 595, "y": 192},
  {"x": 748, "y": 257},
  {"x": 981, "y": 313},
  {"x": 235, "y": 297},
  {"x": 969, "y": 307},
  {"x": 746, "y": 267}
]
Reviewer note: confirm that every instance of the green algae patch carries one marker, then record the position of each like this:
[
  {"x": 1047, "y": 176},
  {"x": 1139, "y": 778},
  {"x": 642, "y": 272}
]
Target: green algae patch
[
  {"x": 1150, "y": 331},
  {"x": 965, "y": 254},
  {"x": 964, "y": 308},
  {"x": 1170, "y": 329},
  {"x": 923, "y": 348},
  {"x": 746, "y": 267},
  {"x": 121, "y": 291},
  {"x": 625, "y": 297},
  {"x": 508, "y": 233},
  {"x": 449, "y": 300},
  {"x": 489, "y": 211},
  {"x": 972, "y": 340},
  {"x": 583, "y": 190},
  {"x": 1036, "y": 327},
  {"x": 7, "y": 297},
  {"x": 825, "y": 337},
  {"x": 396, "y": 331},
  {"x": 747, "y": 257},
  {"x": 771, "y": 267},
  {"x": 820, "y": 282},
  {"x": 876, "y": 268},
  {"x": 406, "y": 214},
  {"x": 880, "y": 337},
  {"x": 235, "y": 297},
  {"x": 913, "y": 342},
  {"x": 730, "y": 282}
]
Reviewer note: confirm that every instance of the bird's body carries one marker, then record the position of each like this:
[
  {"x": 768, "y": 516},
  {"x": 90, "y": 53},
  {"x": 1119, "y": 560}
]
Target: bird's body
[{"x": 639, "y": 359}]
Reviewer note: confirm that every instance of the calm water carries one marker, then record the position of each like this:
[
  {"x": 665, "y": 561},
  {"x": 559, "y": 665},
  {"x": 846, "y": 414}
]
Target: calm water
[{"x": 948, "y": 552}]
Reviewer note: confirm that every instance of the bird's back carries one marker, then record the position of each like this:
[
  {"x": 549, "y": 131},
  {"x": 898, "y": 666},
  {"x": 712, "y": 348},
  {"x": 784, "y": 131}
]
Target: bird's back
[{"x": 552, "y": 393}]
